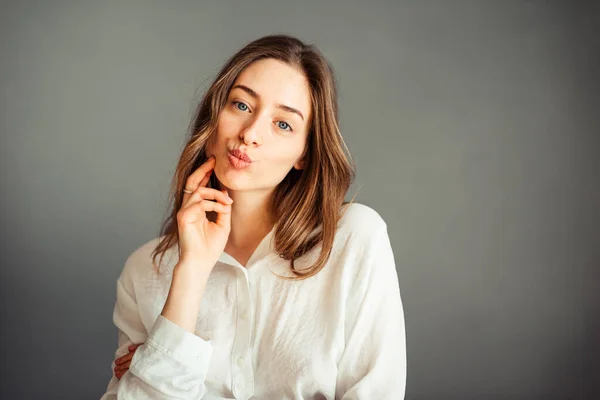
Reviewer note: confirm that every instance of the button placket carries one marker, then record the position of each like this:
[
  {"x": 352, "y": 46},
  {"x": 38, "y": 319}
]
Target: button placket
[{"x": 242, "y": 374}]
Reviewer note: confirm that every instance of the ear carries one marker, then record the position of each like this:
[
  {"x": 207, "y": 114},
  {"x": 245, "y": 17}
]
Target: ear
[{"x": 300, "y": 164}]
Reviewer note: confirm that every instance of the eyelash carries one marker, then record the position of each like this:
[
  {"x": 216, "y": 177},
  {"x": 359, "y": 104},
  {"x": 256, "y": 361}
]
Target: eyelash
[{"x": 235, "y": 104}]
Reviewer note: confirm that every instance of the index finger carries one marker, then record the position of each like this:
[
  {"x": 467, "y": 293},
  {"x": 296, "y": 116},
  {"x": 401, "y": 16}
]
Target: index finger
[{"x": 199, "y": 177}]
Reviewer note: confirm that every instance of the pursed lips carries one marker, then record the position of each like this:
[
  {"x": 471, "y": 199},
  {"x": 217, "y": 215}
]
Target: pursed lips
[{"x": 240, "y": 154}]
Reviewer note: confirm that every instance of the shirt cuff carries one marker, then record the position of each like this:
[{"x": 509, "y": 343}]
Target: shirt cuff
[{"x": 171, "y": 339}]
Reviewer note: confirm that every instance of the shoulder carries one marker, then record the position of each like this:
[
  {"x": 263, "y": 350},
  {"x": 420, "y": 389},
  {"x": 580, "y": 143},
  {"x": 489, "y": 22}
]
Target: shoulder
[
  {"x": 361, "y": 219},
  {"x": 359, "y": 227},
  {"x": 139, "y": 263},
  {"x": 364, "y": 242}
]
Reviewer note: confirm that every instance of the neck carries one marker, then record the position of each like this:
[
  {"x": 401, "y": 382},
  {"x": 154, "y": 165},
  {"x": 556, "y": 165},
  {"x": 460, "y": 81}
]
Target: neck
[{"x": 250, "y": 220}]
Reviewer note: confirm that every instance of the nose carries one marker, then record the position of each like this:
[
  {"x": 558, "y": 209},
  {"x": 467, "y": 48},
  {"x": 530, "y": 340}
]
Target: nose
[{"x": 252, "y": 133}]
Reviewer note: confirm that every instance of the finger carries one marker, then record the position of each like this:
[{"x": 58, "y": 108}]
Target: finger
[
  {"x": 204, "y": 193},
  {"x": 224, "y": 219},
  {"x": 203, "y": 183},
  {"x": 134, "y": 346},
  {"x": 123, "y": 366},
  {"x": 190, "y": 198},
  {"x": 195, "y": 179},
  {"x": 197, "y": 176},
  {"x": 120, "y": 374},
  {"x": 120, "y": 360},
  {"x": 198, "y": 210},
  {"x": 126, "y": 357}
]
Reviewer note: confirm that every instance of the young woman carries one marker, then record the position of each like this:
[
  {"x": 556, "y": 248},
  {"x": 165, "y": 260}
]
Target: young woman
[{"x": 269, "y": 285}]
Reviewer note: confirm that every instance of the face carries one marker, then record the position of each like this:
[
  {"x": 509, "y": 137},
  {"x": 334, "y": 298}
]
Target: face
[{"x": 266, "y": 118}]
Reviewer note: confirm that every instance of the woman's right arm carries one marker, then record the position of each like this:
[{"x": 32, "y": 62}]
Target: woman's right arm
[{"x": 173, "y": 361}]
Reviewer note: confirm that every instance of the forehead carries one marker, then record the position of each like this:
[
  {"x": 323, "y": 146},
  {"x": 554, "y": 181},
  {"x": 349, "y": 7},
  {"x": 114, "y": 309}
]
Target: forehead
[{"x": 278, "y": 83}]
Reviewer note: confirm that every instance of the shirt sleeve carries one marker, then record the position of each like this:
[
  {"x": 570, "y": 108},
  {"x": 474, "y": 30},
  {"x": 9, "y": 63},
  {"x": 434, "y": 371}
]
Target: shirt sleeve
[
  {"x": 373, "y": 364},
  {"x": 171, "y": 364}
]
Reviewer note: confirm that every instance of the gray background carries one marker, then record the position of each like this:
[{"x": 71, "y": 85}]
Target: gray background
[{"x": 472, "y": 124}]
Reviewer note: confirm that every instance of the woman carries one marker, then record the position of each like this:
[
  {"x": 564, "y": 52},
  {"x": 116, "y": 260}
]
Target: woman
[{"x": 273, "y": 287}]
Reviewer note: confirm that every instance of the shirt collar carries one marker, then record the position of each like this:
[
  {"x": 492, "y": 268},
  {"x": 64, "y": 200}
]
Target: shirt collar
[{"x": 265, "y": 248}]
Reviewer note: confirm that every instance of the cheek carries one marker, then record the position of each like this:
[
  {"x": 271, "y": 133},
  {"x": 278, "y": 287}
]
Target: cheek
[
  {"x": 228, "y": 126},
  {"x": 285, "y": 157},
  {"x": 219, "y": 137}
]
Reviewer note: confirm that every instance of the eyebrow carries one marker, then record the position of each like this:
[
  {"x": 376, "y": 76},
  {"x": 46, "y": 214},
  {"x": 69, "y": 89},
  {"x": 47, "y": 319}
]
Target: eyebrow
[{"x": 256, "y": 96}]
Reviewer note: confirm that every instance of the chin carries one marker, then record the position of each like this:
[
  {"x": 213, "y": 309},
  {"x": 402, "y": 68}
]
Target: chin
[
  {"x": 238, "y": 183},
  {"x": 231, "y": 183}
]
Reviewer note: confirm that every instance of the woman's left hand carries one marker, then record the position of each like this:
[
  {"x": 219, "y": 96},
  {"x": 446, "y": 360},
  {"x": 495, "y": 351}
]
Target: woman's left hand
[{"x": 122, "y": 363}]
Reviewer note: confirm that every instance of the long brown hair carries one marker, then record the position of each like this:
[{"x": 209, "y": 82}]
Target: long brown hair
[{"x": 306, "y": 199}]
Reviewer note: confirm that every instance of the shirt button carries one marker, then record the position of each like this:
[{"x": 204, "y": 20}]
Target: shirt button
[
  {"x": 244, "y": 314},
  {"x": 240, "y": 361},
  {"x": 239, "y": 386}
]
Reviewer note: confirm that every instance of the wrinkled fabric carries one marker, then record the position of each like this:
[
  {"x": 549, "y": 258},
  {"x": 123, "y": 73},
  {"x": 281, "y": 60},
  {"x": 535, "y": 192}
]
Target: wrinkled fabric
[{"x": 337, "y": 335}]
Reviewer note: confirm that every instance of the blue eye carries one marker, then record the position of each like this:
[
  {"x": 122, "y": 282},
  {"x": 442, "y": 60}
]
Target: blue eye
[
  {"x": 240, "y": 106},
  {"x": 284, "y": 125}
]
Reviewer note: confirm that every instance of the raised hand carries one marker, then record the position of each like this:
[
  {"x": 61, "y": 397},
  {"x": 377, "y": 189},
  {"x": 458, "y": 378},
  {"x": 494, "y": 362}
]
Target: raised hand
[{"x": 200, "y": 238}]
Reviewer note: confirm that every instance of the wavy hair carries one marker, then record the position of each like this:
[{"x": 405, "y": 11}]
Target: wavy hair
[{"x": 306, "y": 199}]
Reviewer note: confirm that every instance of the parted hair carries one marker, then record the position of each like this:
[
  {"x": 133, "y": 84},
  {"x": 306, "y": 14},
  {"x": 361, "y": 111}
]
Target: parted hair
[{"x": 306, "y": 205}]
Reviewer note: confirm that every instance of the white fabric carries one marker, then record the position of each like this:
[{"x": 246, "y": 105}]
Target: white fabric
[{"x": 337, "y": 335}]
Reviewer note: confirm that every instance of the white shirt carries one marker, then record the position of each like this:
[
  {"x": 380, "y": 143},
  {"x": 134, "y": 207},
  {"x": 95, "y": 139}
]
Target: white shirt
[{"x": 337, "y": 335}]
